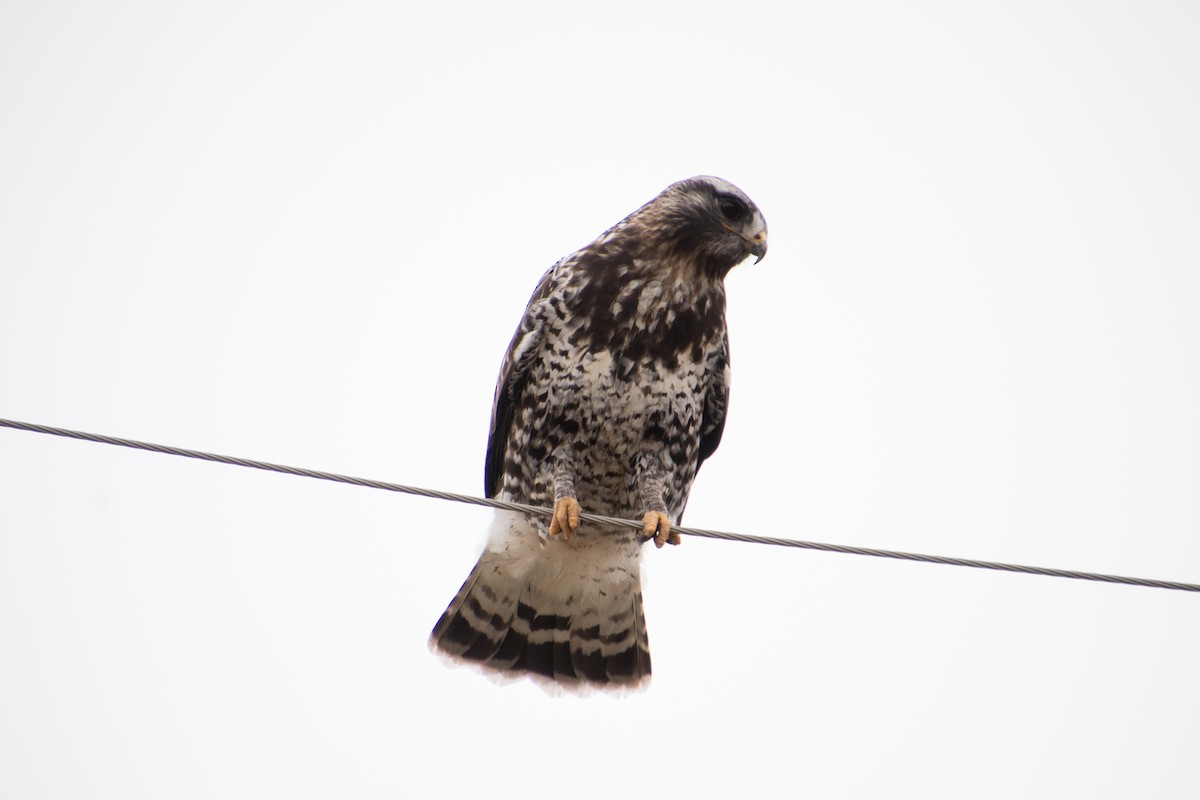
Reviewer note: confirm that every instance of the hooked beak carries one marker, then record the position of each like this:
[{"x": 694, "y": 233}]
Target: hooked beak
[{"x": 758, "y": 245}]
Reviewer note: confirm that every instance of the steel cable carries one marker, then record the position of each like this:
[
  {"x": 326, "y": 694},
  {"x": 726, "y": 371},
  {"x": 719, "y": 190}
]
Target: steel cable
[{"x": 502, "y": 504}]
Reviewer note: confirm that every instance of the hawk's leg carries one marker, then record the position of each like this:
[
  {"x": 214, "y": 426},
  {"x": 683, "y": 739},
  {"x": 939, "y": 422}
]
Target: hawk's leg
[
  {"x": 566, "y": 507},
  {"x": 656, "y": 522}
]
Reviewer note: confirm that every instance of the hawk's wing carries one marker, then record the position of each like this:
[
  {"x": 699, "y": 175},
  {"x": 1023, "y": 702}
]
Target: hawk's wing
[
  {"x": 524, "y": 347},
  {"x": 716, "y": 401}
]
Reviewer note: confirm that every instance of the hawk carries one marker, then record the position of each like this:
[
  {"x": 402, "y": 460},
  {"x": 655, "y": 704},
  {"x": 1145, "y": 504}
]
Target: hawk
[{"x": 612, "y": 394}]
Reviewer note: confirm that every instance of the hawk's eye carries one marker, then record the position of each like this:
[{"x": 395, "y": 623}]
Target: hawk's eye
[{"x": 732, "y": 208}]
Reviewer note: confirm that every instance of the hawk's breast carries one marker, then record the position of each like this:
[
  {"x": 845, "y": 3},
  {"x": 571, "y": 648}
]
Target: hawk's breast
[{"x": 608, "y": 413}]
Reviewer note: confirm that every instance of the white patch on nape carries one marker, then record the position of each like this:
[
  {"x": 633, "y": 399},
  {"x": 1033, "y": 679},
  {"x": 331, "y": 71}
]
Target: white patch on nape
[{"x": 721, "y": 185}]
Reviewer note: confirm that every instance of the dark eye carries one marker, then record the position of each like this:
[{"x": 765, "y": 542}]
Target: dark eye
[{"x": 732, "y": 208}]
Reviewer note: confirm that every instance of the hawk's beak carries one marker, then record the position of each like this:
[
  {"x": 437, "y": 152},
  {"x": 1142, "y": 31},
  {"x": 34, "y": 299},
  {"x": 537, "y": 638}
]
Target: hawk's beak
[{"x": 758, "y": 245}]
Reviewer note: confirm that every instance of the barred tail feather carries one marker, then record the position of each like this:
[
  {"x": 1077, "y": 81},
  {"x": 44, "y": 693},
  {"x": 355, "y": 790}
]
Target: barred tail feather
[{"x": 570, "y": 611}]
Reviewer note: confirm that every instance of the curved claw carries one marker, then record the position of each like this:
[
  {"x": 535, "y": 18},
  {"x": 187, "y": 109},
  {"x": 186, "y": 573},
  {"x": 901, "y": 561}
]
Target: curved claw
[
  {"x": 566, "y": 517},
  {"x": 657, "y": 525}
]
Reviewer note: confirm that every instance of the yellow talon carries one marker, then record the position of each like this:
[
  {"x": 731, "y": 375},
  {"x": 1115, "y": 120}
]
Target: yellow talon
[
  {"x": 566, "y": 517},
  {"x": 657, "y": 525}
]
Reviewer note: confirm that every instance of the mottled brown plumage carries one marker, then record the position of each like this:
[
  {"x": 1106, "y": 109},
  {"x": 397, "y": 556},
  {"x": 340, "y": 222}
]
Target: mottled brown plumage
[{"x": 612, "y": 393}]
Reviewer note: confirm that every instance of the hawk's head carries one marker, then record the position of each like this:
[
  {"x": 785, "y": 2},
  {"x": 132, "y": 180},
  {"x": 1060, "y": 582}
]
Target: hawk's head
[{"x": 707, "y": 222}]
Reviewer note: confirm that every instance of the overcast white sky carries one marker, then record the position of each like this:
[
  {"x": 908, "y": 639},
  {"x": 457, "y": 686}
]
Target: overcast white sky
[{"x": 304, "y": 234}]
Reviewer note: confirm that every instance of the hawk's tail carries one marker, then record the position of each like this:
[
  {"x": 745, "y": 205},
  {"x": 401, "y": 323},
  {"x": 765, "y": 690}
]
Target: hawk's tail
[{"x": 570, "y": 611}]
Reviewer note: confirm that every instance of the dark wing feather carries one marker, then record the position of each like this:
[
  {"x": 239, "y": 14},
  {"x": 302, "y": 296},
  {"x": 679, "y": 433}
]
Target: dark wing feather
[
  {"x": 525, "y": 345},
  {"x": 716, "y": 401}
]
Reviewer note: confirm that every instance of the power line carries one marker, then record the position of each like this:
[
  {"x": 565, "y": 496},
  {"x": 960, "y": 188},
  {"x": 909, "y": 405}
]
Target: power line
[{"x": 546, "y": 512}]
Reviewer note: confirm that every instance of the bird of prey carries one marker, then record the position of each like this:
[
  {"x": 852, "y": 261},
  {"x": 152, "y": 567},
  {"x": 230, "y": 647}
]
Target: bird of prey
[{"x": 612, "y": 394}]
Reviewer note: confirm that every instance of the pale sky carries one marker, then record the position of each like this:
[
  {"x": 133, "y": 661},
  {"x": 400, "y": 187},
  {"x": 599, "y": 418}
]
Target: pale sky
[{"x": 305, "y": 233}]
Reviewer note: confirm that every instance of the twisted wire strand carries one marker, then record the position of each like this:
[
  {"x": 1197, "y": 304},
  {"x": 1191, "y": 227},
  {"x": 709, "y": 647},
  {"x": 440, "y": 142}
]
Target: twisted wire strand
[{"x": 627, "y": 523}]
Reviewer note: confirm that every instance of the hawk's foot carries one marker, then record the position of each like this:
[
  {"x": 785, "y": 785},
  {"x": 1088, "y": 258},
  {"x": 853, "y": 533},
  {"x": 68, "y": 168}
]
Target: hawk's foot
[
  {"x": 566, "y": 517},
  {"x": 657, "y": 525}
]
